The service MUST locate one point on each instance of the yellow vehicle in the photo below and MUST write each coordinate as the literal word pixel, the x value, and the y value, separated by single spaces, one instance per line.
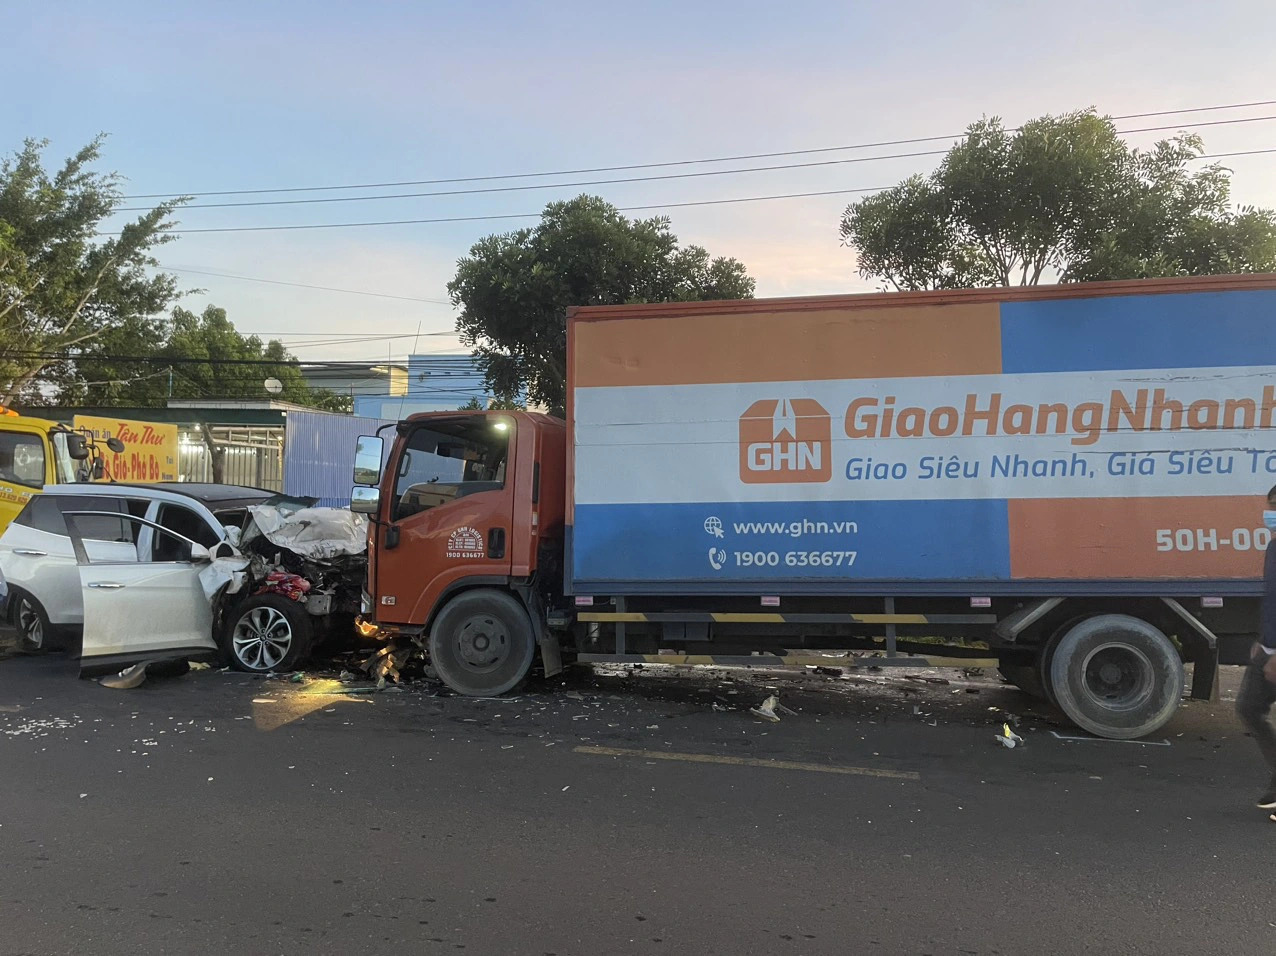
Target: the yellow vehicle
pixel 35 452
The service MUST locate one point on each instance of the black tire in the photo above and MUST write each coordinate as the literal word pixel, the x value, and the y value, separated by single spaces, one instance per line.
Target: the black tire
pixel 482 644
pixel 1045 654
pixel 1023 676
pixel 35 634
pixel 266 633
pixel 1116 676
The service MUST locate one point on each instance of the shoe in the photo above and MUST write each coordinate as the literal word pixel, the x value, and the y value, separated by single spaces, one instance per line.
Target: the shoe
pixel 1268 800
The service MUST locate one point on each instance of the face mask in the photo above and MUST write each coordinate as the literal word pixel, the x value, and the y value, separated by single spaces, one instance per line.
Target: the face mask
pixel 1269 519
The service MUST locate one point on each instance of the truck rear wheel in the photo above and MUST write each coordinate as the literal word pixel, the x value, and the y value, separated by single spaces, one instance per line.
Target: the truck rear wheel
pixel 1115 676
pixel 482 644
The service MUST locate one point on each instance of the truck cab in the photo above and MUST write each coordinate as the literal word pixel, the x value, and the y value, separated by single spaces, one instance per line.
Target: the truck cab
pixel 34 453
pixel 465 537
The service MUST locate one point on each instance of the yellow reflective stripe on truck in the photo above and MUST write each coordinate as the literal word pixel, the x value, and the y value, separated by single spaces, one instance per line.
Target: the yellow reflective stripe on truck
pixel 632 617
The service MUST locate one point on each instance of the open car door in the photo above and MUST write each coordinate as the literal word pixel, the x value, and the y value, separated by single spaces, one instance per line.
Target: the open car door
pixel 144 610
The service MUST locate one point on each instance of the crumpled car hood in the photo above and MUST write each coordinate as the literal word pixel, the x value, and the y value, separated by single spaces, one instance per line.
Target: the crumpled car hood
pixel 318 534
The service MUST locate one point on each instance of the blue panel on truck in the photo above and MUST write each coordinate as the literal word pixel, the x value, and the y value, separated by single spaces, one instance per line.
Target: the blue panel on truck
pixel 1137 331
pixel 789 542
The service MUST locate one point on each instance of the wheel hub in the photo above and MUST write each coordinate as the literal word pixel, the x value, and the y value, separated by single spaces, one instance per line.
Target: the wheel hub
pixel 482 643
pixel 1118 676
pixel 29 624
pixel 262 638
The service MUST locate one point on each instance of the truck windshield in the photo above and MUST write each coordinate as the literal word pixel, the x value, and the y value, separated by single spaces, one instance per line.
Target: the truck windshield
pixel 443 461
pixel 22 459
pixel 63 463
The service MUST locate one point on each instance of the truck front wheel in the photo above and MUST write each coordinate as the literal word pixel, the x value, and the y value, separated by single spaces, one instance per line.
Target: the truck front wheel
pixel 1115 676
pixel 482 644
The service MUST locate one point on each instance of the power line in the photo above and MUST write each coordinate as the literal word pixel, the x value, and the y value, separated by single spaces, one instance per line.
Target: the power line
pixel 643 179
pixel 518 215
pixel 586 182
pixel 343 340
pixel 659 165
pixel 302 285
pixel 291 361
pixel 537 215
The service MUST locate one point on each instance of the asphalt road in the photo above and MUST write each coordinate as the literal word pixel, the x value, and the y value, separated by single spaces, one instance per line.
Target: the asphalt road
pixel 219 814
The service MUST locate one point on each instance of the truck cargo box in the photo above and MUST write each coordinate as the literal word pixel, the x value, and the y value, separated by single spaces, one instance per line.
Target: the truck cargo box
pixel 1106 438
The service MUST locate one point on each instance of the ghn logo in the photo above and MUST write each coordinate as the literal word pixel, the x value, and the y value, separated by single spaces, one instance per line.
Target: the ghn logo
pixel 785 441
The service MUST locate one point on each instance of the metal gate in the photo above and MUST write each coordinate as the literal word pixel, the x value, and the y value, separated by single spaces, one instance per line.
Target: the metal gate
pixel 253 456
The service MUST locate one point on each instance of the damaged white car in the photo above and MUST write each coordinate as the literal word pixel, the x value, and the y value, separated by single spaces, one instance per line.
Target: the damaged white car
pixel 257 594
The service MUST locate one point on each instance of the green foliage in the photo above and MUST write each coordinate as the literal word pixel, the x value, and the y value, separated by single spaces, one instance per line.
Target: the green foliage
pixel 144 363
pixel 82 315
pixel 1061 198
pixel 497 404
pixel 61 284
pixel 514 290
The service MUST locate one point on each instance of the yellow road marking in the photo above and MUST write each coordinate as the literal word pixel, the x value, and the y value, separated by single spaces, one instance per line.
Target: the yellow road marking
pixel 748 762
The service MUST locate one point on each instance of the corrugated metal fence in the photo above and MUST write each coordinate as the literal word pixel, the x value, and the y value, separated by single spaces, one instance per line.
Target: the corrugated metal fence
pixel 318 454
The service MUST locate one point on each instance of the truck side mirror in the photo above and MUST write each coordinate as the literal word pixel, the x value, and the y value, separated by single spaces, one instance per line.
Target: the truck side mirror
pixel 364 500
pixel 115 445
pixel 368 453
pixel 99 469
pixel 77 446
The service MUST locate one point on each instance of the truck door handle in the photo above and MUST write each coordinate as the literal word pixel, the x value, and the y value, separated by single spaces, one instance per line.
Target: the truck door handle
pixel 106 585
pixel 30 554
pixel 496 543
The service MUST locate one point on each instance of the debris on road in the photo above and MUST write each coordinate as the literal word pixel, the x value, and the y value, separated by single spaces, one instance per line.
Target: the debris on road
pixel 127 679
pixel 1008 738
pixel 389 662
pixel 767 709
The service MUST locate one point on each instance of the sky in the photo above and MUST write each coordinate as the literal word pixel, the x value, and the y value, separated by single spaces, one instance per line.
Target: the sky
pixel 269 95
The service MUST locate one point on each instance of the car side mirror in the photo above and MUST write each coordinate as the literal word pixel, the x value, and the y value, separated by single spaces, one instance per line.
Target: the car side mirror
pixel 368 453
pixel 200 554
pixel 77 446
pixel 365 501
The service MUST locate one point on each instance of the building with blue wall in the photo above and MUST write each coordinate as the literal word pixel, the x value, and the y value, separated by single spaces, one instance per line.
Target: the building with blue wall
pixel 435 383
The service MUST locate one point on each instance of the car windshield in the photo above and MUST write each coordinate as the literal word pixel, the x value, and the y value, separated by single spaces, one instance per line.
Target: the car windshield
pixel 446 460
pixel 22 459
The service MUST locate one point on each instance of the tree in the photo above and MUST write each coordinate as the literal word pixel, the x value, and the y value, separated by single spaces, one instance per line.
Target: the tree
pixel 514 289
pixel 496 404
pixel 62 285
pixel 146 362
pixel 1063 198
